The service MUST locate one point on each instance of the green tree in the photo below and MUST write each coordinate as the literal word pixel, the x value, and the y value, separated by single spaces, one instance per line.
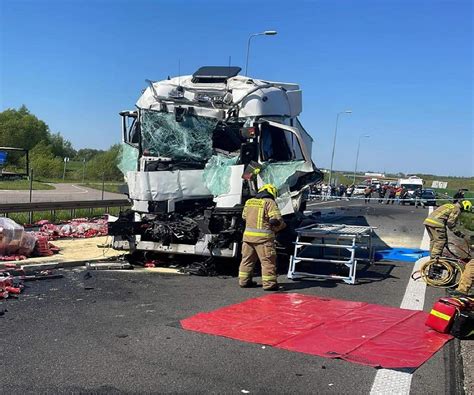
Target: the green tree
pixel 44 163
pixel 87 153
pixel 105 164
pixel 21 129
pixel 61 147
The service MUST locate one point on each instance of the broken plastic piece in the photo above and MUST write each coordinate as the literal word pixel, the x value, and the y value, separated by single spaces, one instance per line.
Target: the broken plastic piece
pixel 281 173
pixel 217 173
pixel 128 159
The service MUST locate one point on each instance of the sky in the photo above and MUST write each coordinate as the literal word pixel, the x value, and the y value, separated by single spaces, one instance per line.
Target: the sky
pixel 404 68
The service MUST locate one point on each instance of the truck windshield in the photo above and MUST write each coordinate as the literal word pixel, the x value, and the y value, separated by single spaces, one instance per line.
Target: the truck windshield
pixel 190 139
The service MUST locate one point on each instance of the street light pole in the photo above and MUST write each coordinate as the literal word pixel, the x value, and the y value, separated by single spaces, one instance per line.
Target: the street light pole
pixel 334 142
pixel 66 159
pixel 357 156
pixel 83 169
pixel 265 33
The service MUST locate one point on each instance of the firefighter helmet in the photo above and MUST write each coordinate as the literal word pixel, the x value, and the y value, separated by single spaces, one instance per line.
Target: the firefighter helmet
pixel 466 205
pixel 270 188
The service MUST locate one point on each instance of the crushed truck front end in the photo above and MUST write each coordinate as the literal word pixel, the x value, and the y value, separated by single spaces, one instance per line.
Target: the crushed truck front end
pixel 196 148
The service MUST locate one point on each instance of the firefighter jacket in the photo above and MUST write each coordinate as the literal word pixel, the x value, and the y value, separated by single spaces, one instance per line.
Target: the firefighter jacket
pixel 257 214
pixel 445 215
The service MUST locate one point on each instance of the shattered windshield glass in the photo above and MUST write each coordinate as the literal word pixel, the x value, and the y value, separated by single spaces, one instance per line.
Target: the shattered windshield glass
pixel 127 159
pixel 190 139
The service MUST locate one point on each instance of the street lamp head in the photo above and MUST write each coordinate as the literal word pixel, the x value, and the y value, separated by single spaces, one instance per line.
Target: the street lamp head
pixel 270 32
pixel 348 111
pixel 365 135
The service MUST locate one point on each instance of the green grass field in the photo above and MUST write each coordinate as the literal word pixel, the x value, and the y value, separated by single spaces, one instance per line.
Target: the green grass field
pixel 467 220
pixel 23 185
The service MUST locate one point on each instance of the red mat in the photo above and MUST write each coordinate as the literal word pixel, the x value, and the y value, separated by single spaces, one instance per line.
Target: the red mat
pixel 359 332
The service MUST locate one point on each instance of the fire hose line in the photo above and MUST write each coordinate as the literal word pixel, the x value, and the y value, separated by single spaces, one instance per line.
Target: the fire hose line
pixel 443 272
pixel 449 267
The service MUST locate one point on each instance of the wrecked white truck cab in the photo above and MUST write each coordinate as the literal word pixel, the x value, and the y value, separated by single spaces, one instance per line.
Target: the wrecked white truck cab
pixel 196 148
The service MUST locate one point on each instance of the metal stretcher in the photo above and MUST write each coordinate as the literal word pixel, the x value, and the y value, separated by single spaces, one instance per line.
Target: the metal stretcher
pixel 330 239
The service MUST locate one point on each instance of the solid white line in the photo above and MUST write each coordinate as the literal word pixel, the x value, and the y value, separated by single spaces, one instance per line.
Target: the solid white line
pixel 389 381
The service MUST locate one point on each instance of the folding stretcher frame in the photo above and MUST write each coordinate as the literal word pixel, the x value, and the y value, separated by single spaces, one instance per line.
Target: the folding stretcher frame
pixel 330 237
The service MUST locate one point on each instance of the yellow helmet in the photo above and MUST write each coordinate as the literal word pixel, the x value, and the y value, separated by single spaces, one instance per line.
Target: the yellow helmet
pixel 466 205
pixel 270 188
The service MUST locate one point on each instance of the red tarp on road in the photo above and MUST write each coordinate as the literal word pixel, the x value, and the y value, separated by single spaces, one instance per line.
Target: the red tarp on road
pixel 359 332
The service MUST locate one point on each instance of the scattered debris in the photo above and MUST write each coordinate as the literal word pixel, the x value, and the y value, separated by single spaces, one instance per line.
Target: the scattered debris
pixel 76 228
pixel 12 278
pixel 205 268
pixel 108 266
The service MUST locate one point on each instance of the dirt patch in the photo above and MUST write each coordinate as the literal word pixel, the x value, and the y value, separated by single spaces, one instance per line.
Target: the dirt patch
pixel 73 250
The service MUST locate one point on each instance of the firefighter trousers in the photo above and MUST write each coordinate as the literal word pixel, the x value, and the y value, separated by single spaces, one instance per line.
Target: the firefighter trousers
pixel 266 253
pixel 467 278
pixel 438 240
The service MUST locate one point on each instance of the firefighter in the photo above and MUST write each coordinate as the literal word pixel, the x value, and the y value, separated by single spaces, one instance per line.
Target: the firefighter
pixel 466 280
pixel 459 195
pixel 263 219
pixel 445 216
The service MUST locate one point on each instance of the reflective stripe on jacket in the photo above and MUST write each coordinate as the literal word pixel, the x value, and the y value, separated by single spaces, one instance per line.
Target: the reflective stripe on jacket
pixel 257 214
pixel 445 215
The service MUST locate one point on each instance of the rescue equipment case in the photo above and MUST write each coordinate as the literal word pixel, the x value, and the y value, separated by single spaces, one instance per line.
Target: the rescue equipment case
pixel 442 315
pixel 453 315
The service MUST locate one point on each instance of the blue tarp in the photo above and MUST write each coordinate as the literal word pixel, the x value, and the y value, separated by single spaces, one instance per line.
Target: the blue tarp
pixel 400 254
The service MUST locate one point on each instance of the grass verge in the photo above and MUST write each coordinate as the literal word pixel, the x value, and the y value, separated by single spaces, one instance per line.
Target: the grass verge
pixel 18 185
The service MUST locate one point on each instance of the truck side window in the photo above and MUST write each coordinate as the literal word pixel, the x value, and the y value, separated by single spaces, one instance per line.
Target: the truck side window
pixel 134 133
pixel 279 145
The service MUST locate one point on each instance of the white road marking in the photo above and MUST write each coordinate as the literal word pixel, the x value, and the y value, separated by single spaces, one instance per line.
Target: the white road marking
pixel 81 189
pixel 389 381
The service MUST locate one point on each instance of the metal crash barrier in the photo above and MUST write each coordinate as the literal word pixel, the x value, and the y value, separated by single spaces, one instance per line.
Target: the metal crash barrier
pixel 53 207
pixel 334 244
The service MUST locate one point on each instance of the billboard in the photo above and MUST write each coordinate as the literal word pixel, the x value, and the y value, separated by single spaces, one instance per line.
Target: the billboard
pixel 439 184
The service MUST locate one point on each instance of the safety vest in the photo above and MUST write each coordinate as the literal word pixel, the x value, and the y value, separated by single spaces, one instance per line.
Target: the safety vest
pixel 445 215
pixel 257 214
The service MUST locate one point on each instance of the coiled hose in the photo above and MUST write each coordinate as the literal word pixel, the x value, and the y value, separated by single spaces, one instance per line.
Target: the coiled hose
pixel 444 272
pixel 449 270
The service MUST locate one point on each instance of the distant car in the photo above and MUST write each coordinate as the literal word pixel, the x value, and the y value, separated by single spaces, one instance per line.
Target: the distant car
pixel 428 197
pixel 359 189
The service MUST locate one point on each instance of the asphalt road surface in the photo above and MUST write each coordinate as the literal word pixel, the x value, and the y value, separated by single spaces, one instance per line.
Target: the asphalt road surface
pixel 63 192
pixel 119 331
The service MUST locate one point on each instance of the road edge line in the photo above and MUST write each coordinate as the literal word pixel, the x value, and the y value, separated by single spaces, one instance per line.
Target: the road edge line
pixel 389 381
